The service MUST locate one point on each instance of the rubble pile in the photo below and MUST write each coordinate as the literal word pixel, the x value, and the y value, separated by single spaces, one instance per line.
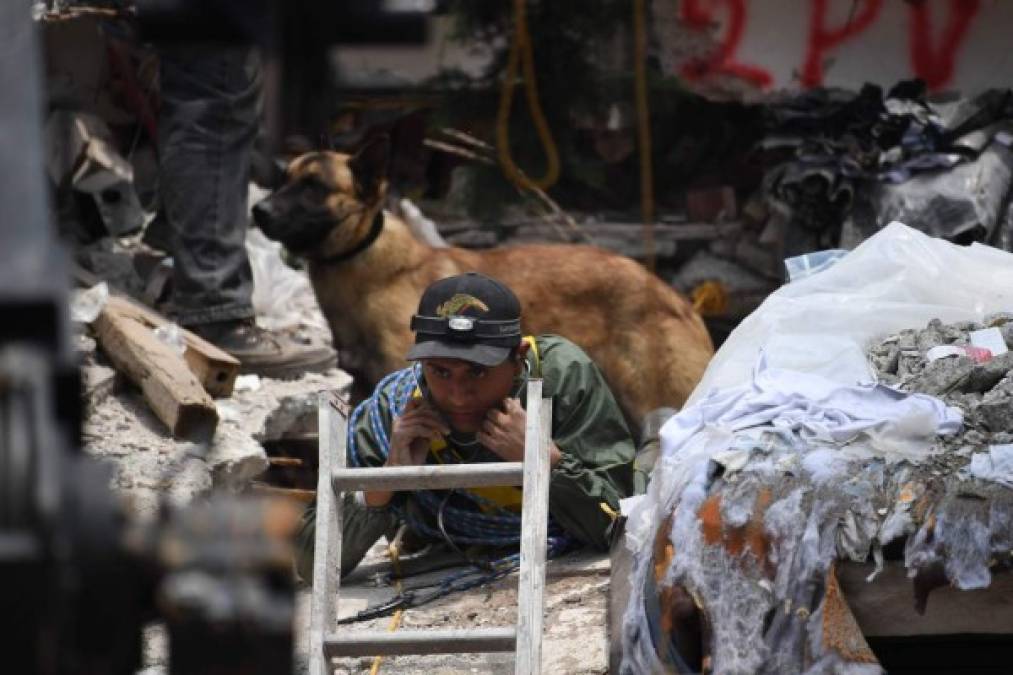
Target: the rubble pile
pixel 749 518
pixel 980 385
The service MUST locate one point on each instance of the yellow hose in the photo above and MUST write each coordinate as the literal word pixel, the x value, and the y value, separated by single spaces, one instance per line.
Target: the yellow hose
pixel 394 551
pixel 521 54
pixel 710 298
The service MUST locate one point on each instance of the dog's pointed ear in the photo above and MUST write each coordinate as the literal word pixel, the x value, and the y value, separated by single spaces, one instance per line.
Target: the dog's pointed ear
pixel 369 167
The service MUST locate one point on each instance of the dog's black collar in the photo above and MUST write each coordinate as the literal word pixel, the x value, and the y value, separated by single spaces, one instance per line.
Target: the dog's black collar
pixel 374 233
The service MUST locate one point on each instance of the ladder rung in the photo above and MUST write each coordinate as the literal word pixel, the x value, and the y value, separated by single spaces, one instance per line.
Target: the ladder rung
pixel 383 643
pixel 429 476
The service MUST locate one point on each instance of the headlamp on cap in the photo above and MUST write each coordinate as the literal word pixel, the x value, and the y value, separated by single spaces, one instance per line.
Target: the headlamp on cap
pixel 467 328
pixel 461 324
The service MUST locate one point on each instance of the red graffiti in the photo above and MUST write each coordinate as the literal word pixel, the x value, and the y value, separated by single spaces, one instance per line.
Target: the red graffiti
pixel 932 62
pixel 700 14
pixel 823 38
pixel 936 66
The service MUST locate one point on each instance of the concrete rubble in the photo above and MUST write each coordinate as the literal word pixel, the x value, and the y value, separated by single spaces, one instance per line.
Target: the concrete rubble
pixel 768 523
pixel 982 391
pixel 148 462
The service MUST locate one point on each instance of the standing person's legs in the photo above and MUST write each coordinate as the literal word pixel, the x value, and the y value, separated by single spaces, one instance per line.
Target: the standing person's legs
pixel 207 125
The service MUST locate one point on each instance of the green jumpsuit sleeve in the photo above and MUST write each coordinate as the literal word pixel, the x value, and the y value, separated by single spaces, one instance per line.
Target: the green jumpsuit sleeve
pixel 367 446
pixel 590 431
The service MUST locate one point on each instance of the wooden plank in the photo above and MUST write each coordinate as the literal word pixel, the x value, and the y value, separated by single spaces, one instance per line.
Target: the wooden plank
pixel 383 643
pixel 534 529
pixel 215 368
pixel 285 461
pixel 333 423
pixel 429 477
pixel 885 606
pixel 170 388
pixel 299 495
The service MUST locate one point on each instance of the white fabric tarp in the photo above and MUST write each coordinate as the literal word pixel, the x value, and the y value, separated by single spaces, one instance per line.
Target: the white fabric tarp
pixel 822 324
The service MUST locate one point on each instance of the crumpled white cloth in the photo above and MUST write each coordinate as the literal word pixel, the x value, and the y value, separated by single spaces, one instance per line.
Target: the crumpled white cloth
pixel 824 413
pixel 897 425
pixel 995 465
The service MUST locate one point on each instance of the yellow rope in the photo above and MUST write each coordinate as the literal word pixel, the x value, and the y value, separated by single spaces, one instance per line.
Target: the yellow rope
pixel 644 131
pixel 521 54
pixel 394 551
pixel 710 298
pixel 609 511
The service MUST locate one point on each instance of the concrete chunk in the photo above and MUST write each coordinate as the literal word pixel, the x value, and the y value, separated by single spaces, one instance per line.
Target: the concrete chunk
pixel 296 415
pixel 997 415
pixel 942 376
pixel 235 458
pixel 987 375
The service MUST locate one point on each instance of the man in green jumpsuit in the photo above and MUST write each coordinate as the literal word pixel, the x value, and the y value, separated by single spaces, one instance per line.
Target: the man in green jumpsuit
pixel 463 401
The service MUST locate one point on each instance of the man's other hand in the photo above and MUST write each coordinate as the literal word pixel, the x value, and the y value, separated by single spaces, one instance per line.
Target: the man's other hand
pixel 503 433
pixel 503 430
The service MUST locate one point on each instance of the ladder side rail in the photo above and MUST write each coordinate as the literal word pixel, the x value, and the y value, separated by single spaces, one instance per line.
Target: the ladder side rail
pixel 534 531
pixel 332 424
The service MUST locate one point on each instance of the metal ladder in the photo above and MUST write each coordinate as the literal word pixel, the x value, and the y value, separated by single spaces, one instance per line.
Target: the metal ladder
pixel 334 479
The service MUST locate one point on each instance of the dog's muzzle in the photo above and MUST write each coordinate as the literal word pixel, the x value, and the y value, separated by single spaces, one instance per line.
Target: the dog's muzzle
pixel 264 216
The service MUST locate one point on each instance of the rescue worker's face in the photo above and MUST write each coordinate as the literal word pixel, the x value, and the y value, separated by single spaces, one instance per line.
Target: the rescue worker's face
pixel 464 391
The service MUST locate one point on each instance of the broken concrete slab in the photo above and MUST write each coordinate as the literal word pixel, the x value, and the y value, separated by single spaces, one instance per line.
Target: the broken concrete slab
pixel 907 339
pixel 886 358
pixel 931 337
pixel 987 375
pixel 942 376
pixel 188 481
pixel 235 458
pixel 83 156
pixel 997 415
pixel 296 415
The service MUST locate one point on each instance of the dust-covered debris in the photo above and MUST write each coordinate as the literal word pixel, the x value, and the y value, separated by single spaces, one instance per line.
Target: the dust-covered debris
pixel 758 512
pixel 122 430
pixel 296 415
pixel 981 389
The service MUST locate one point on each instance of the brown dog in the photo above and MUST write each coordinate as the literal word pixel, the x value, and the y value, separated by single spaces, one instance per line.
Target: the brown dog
pixel 368 271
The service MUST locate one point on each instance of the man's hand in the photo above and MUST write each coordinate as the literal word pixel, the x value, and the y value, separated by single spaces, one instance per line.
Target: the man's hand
pixel 410 436
pixel 503 433
pixel 412 432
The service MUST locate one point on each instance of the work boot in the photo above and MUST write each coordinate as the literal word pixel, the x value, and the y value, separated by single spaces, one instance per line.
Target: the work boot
pixel 263 352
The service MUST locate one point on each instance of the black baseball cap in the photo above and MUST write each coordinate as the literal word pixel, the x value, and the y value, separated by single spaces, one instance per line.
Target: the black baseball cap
pixel 470 317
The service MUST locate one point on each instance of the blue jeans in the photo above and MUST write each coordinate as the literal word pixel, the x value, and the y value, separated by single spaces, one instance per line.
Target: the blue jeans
pixel 210 113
